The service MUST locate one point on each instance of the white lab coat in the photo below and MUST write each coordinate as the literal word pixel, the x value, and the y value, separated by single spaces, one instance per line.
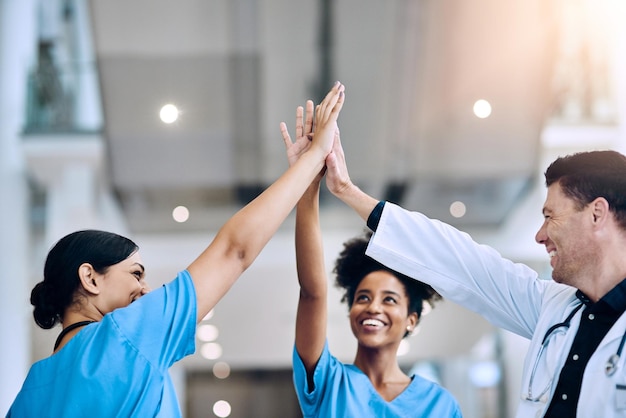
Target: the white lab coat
pixel 509 295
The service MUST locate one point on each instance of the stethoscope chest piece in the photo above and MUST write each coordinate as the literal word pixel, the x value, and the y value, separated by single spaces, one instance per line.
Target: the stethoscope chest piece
pixel 611 365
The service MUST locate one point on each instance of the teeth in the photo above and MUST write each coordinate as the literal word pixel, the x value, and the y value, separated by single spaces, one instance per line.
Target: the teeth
pixel 373 322
pixel 552 253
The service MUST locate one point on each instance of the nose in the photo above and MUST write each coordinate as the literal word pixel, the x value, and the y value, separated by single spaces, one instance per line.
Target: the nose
pixel 541 236
pixel 374 306
pixel 144 287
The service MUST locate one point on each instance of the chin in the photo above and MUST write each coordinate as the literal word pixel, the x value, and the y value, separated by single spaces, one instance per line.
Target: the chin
pixel 559 277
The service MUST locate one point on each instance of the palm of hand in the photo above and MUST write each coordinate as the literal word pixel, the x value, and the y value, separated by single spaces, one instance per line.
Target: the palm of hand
pixel 297 148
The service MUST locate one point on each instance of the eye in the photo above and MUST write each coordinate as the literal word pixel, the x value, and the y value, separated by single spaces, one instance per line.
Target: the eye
pixel 390 299
pixel 138 274
pixel 361 298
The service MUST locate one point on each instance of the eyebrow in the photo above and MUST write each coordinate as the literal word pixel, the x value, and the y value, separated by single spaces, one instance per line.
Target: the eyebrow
pixel 391 292
pixel 143 269
pixel 386 292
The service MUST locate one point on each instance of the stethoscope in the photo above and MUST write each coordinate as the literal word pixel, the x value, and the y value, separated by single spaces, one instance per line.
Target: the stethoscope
pixel 611 363
pixel 609 369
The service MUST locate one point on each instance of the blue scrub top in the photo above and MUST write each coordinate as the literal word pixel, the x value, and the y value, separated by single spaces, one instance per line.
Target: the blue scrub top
pixel 117 367
pixel 343 390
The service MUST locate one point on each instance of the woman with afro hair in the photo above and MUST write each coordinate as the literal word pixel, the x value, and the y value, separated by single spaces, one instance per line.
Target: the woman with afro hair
pixel 384 307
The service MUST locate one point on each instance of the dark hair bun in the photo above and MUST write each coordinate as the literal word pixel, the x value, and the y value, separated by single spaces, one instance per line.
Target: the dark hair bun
pixel 45 312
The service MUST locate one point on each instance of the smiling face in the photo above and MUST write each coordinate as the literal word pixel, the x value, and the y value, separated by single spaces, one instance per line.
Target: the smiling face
pixel 567 235
pixel 379 314
pixel 122 284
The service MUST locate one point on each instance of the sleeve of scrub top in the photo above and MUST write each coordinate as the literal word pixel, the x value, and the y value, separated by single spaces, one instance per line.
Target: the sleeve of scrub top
pixel 162 323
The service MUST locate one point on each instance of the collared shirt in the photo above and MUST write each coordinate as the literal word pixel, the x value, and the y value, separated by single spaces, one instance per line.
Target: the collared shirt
pixel 596 321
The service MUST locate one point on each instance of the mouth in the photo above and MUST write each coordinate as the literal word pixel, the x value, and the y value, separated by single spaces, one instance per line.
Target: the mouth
pixel 372 323
pixel 552 254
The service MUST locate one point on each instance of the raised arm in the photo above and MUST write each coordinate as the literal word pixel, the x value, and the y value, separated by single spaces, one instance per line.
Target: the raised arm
pixel 339 183
pixel 241 239
pixel 312 310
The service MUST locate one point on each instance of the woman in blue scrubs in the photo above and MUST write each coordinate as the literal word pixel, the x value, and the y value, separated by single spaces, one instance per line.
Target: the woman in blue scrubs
pixel 118 339
pixel 384 308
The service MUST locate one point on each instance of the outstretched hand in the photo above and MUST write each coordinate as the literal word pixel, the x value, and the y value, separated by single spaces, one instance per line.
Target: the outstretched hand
pixel 304 133
pixel 337 177
pixel 325 118
pixel 326 114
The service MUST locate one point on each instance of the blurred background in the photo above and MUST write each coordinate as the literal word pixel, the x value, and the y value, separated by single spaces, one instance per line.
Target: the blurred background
pixel 159 120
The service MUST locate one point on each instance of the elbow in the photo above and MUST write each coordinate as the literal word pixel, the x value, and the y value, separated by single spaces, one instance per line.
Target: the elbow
pixel 239 255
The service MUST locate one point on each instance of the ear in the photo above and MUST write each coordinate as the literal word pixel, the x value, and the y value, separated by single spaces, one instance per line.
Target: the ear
pixel 600 211
pixel 87 276
pixel 412 321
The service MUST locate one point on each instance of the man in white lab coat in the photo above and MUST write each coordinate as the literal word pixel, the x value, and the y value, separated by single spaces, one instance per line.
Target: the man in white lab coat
pixel 576 322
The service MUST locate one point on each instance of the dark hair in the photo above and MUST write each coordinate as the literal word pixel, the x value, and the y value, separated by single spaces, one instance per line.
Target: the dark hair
pixel 353 265
pixel 56 291
pixel 586 176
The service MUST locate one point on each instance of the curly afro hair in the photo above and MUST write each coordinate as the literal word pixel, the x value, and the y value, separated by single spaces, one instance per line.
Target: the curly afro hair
pixel 353 265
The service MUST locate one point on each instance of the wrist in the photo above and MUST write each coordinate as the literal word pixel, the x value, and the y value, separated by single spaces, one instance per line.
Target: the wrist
pixel 313 190
pixel 345 190
pixel 358 200
pixel 317 152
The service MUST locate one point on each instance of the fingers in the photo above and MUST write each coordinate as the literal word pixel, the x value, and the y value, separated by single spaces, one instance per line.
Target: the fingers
pixel 337 149
pixel 299 122
pixel 310 118
pixel 304 125
pixel 330 107
pixel 308 123
pixel 285 134
pixel 339 105
pixel 337 171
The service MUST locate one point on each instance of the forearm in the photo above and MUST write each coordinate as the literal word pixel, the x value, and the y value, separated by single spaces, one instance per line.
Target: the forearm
pixel 358 200
pixel 311 316
pixel 309 245
pixel 252 227
pixel 242 238
pixel 340 185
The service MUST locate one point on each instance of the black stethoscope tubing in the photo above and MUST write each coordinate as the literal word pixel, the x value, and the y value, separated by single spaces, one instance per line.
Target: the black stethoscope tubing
pixel 611 363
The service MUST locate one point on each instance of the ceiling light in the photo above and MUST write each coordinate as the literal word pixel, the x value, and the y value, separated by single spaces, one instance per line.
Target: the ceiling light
pixel 169 113
pixel 211 351
pixel 221 409
pixel 221 370
pixel 457 209
pixel 482 108
pixel 207 332
pixel 180 214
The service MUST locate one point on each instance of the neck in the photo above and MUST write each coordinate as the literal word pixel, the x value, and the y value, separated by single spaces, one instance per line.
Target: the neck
pixel 607 271
pixel 603 281
pixel 380 365
pixel 75 314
